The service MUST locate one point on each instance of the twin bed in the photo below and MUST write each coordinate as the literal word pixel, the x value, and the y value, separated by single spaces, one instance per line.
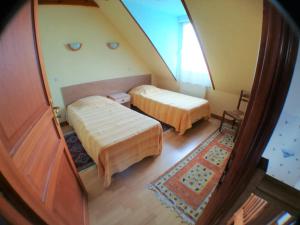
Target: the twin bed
pixel 176 109
pixel 116 137
pixel 113 135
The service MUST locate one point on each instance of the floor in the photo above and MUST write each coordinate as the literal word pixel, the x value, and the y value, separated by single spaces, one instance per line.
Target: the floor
pixel 127 200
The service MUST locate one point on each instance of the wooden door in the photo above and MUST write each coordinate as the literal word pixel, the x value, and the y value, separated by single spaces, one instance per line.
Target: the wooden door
pixel 34 160
pixel 274 71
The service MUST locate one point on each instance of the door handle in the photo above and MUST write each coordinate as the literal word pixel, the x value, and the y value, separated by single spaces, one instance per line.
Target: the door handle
pixel 55 110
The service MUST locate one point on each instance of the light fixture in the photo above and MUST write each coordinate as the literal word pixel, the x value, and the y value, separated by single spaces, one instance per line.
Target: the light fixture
pixel 112 45
pixel 74 46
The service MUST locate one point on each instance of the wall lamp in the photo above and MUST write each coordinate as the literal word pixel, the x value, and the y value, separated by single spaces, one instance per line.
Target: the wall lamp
pixel 112 45
pixel 74 46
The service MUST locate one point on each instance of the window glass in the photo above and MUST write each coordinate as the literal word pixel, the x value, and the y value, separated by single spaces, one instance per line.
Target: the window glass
pixel 193 68
pixel 170 31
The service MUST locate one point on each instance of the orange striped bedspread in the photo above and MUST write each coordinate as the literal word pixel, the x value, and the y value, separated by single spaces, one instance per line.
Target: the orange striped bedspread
pixel 113 135
pixel 175 109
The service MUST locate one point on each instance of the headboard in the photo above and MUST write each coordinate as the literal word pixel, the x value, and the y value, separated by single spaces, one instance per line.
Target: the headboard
pixel 103 87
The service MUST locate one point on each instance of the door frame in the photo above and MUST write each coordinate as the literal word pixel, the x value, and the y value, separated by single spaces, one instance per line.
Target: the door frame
pixel 46 85
pixel 275 66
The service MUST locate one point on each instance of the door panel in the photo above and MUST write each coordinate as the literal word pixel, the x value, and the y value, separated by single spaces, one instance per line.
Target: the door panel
pixel 10 213
pixel 67 187
pixel 34 158
pixel 21 83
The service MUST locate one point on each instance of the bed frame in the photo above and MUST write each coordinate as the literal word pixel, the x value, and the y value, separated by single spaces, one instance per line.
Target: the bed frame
pixel 103 87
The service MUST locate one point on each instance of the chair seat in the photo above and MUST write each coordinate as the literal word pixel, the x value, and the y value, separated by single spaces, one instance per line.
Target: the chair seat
pixel 236 114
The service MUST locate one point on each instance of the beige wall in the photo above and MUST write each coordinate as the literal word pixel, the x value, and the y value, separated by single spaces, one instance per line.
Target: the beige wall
pixel 230 32
pixel 94 61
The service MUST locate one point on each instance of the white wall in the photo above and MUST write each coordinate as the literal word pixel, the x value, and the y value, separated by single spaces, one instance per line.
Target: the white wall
pixel 283 149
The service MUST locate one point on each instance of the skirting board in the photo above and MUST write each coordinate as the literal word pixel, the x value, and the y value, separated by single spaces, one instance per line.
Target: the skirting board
pixel 220 118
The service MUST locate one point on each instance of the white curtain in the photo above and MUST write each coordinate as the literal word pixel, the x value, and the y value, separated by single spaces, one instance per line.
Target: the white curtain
pixel 192 68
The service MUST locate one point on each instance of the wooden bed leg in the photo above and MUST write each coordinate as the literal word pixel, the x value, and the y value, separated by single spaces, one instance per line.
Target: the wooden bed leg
pixel 206 118
pixel 181 133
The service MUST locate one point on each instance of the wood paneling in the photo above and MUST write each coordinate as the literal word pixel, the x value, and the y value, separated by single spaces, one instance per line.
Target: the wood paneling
pixel 17 62
pixel 33 153
pixel 103 87
pixel 36 155
pixel 64 203
pixel 69 2
pixel 11 214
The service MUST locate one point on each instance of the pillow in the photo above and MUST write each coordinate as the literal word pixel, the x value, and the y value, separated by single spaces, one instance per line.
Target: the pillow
pixel 90 100
pixel 143 89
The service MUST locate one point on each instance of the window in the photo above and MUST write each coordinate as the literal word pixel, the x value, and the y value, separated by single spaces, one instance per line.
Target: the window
pixel 168 27
pixel 192 65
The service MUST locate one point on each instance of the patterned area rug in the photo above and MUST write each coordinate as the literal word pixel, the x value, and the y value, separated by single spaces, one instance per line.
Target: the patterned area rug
pixel 187 186
pixel 79 155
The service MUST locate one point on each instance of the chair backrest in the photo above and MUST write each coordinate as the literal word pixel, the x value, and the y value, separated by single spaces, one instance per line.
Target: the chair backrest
pixel 251 209
pixel 244 97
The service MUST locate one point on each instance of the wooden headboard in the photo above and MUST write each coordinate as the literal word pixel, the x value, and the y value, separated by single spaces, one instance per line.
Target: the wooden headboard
pixel 103 87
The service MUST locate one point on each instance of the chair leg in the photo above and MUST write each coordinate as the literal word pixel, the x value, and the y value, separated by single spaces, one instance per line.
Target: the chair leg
pixel 233 123
pixel 222 121
pixel 237 131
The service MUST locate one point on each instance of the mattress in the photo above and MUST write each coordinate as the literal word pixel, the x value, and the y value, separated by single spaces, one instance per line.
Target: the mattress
pixel 175 109
pixel 113 135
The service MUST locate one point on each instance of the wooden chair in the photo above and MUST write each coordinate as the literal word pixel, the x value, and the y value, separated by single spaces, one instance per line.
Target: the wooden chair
pixel 250 210
pixel 237 115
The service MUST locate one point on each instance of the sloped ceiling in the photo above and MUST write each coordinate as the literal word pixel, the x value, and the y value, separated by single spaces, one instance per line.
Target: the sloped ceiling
pixel 230 33
pixel 118 15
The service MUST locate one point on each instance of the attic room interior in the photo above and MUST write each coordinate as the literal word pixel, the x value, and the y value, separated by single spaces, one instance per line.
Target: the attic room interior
pixel 149 112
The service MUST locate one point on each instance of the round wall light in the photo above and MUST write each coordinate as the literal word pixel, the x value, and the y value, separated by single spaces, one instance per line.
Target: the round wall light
pixel 74 46
pixel 112 45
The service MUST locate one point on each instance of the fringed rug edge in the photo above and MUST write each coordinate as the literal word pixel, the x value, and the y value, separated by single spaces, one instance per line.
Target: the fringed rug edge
pixel 169 204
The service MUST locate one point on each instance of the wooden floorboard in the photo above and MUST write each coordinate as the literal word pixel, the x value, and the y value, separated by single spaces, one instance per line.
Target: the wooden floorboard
pixel 127 200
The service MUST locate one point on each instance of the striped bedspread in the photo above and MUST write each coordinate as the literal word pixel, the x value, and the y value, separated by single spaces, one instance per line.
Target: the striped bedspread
pixel 113 135
pixel 175 109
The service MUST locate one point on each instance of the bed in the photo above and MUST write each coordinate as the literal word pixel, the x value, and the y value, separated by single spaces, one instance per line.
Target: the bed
pixel 114 136
pixel 176 109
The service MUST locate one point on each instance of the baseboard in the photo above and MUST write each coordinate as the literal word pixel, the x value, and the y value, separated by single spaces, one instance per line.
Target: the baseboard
pixel 64 124
pixel 220 118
